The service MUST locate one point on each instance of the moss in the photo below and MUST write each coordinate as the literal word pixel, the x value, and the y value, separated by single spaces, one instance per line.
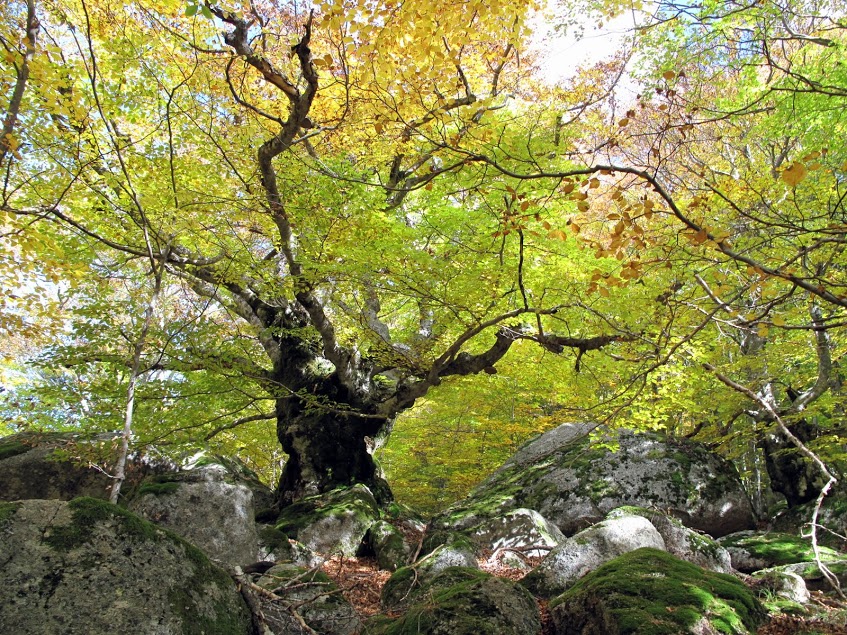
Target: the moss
pixel 12 448
pixel 339 502
pixel 454 597
pixel 273 538
pixel 649 592
pixel 86 513
pixel 158 489
pixel 777 548
pixel 7 510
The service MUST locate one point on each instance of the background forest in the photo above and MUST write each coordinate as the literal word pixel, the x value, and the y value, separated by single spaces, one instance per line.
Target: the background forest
pixel 285 230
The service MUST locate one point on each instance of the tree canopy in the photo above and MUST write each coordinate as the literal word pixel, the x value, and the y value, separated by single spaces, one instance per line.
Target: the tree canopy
pixel 271 229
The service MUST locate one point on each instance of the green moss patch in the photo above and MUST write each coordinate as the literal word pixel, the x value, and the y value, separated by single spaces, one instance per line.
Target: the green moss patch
pixel 11 448
pixel 464 601
pixel 87 513
pixel 7 510
pixel 649 592
pixel 339 502
pixel 777 548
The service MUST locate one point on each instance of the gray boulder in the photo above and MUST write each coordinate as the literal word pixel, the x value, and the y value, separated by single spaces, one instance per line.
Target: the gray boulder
pixel 275 546
pixel 522 530
pixel 574 483
pixel 331 523
pixel 62 466
pixel 389 545
pixel 85 566
pixel 784 584
pixel 207 506
pixel 682 542
pixel 465 601
pixel 588 549
pixel 407 583
pixel 308 594
pixel 650 591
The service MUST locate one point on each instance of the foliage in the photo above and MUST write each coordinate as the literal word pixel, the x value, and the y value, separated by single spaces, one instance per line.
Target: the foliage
pixel 377 207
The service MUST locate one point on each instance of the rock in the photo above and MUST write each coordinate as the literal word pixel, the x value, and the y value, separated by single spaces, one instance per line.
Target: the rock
pixel 466 601
pixel 522 530
pixel 408 582
pixel 207 506
pixel 60 466
pixel 275 546
pixel 682 542
pixel 331 523
pixel 587 550
pixel 751 551
pixel 389 545
pixel 813 576
pixel 312 595
pixel 649 591
pixel 832 519
pixel 85 566
pixel 784 584
pixel 574 484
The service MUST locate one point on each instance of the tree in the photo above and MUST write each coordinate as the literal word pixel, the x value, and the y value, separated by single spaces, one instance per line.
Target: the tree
pixel 353 227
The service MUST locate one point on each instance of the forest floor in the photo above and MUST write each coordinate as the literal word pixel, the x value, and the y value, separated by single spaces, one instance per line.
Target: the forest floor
pixel 361 582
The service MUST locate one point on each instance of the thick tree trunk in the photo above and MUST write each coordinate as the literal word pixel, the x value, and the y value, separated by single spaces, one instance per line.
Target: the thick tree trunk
pixel 791 474
pixel 327 449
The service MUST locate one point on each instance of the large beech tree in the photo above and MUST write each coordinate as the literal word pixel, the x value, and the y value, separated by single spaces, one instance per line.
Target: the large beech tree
pixel 342 206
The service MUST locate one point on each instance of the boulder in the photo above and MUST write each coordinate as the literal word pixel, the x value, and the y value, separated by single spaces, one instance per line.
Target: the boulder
pixel 275 546
pixel 331 523
pixel 388 545
pixel 587 550
pixel 86 566
pixel 682 542
pixel 648 591
pixel 207 506
pixel 574 483
pixel 308 594
pixel 783 584
pixel 832 519
pixel 62 466
pixel 521 530
pixel 814 578
pixel 408 582
pixel 465 601
pixel 751 551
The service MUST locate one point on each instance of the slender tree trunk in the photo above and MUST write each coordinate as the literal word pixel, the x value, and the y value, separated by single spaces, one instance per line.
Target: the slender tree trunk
pixel 134 377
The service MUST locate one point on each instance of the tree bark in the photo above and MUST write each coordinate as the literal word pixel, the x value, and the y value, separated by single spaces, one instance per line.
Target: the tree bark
pixel 792 474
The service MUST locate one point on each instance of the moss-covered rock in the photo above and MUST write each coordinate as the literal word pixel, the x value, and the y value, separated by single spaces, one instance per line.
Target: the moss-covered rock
pixel 465 601
pixel 814 578
pixel 408 583
pixel 832 518
pixel 650 592
pixel 587 550
pixel 309 593
pixel 58 466
pixel 388 545
pixel 751 551
pixel 335 522
pixel 88 566
pixel 682 542
pixel 209 506
pixel 574 482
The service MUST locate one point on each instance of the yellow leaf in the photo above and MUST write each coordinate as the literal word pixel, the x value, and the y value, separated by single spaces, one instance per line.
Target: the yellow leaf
pixel 778 321
pixel 668 75
pixel 556 234
pixel 794 173
pixel 623 122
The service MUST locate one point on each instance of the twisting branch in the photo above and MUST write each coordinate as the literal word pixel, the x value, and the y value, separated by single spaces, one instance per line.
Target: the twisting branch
pixel 7 143
pixel 805 451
